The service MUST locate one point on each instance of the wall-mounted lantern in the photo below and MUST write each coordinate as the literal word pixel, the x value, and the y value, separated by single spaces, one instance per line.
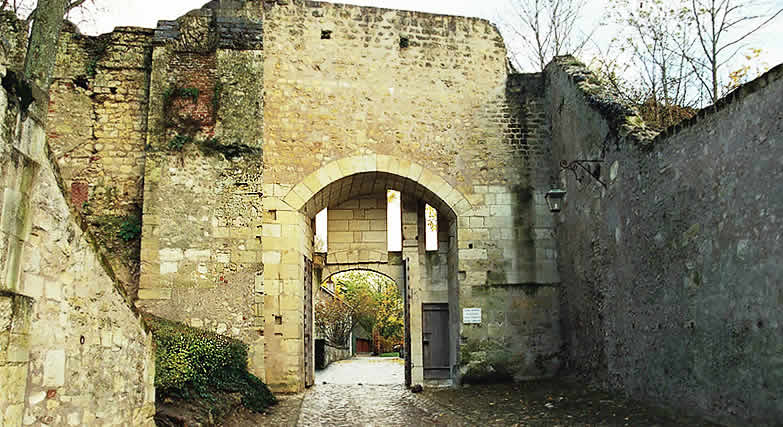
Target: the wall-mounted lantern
pixel 554 199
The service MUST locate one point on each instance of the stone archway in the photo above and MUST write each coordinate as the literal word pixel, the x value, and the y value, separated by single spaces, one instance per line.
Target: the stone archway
pixel 350 260
pixel 303 192
pixel 288 231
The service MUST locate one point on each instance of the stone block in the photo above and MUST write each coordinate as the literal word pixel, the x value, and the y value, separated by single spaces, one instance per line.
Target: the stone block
pixel 339 225
pixel 169 267
pixel 271 257
pixel 340 237
pixel 155 293
pixel 500 210
pixel 379 214
pixel 359 225
pixel 472 254
pixel 171 254
pixel 340 214
pixel 54 368
pixel 373 236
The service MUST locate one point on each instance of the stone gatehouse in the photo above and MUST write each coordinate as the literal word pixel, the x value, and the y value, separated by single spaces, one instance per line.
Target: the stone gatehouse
pixel 244 119
pixel 226 131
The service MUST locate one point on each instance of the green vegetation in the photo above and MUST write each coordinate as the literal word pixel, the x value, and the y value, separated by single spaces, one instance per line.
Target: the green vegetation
pixel 192 363
pixel 179 141
pixel 485 361
pixel 173 92
pixel 130 228
pixel 395 354
pixel 211 146
pixel 366 299
pixel 216 92
pixel 96 50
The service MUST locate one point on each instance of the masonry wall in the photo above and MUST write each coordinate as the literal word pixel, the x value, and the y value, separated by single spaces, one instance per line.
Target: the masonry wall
pixel 358 227
pixel 671 275
pixel 201 234
pixel 73 351
pixel 423 96
pixel 97 132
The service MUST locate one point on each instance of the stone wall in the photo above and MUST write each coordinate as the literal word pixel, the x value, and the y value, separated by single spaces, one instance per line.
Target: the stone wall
pixel 334 354
pixel 201 234
pixel 358 225
pixel 236 115
pixel 671 274
pixel 422 97
pixel 97 132
pixel 73 352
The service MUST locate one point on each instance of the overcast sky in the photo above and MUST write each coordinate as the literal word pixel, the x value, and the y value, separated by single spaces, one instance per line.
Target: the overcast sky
pixel 146 13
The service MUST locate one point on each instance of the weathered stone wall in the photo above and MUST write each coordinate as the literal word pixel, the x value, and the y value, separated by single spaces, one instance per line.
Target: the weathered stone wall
pixel 328 91
pixel 201 245
pixel 421 96
pixel 335 354
pixel 97 132
pixel 671 274
pixel 15 318
pixel 73 352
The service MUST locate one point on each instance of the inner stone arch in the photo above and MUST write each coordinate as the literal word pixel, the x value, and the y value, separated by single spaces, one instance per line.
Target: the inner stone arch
pixel 357 239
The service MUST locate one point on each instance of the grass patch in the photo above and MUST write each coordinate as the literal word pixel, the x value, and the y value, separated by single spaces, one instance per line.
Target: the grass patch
pixel 394 354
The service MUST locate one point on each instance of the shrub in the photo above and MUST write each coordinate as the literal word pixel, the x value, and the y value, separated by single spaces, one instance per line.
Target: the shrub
pixel 130 228
pixel 179 141
pixel 191 362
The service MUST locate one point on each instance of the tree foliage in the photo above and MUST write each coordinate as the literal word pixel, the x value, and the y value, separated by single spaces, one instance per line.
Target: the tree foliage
pixel 362 298
pixel 669 56
pixel 722 28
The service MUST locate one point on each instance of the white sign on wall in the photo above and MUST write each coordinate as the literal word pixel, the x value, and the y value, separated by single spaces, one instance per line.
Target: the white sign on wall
pixel 471 315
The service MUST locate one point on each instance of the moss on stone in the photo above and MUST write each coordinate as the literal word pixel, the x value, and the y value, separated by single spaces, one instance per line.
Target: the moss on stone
pixel 212 146
pixel 485 361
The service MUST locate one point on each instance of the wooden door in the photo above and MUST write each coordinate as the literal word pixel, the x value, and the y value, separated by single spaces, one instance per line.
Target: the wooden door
pixel 309 368
pixel 435 341
pixel 363 346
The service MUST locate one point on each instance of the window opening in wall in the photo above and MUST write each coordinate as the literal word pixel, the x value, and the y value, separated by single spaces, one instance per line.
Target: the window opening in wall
pixel 394 220
pixel 431 234
pixel 320 231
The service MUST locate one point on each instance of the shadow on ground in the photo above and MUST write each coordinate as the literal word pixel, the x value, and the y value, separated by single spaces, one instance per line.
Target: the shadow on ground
pixel 555 402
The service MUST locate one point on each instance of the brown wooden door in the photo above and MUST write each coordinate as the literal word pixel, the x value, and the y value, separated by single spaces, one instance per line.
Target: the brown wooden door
pixel 363 345
pixel 309 368
pixel 435 341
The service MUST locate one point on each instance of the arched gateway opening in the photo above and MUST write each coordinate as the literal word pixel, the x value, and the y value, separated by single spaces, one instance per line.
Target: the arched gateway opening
pixel 359 329
pixel 358 236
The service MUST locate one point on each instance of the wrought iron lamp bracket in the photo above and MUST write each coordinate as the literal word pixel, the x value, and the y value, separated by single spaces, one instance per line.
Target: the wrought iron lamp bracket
pixel 594 172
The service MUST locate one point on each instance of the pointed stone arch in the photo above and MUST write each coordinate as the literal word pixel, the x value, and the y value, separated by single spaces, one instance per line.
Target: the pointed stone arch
pixel 304 191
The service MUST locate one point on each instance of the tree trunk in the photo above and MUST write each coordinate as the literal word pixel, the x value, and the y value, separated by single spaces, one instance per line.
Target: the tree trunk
pixel 42 49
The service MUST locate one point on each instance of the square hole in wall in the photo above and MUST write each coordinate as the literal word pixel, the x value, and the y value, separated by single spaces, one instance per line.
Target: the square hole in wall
pixel 326 34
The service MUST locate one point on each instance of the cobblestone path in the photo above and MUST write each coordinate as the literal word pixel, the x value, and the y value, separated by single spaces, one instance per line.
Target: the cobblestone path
pixel 369 405
pixel 554 402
